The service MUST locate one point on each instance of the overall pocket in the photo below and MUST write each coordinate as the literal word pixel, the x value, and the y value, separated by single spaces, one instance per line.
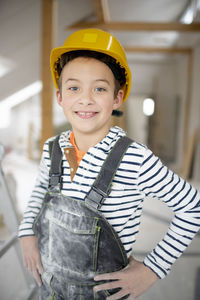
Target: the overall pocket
pixel 73 240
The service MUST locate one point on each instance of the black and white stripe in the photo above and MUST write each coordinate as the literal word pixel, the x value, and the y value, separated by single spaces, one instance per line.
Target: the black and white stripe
pixel 140 174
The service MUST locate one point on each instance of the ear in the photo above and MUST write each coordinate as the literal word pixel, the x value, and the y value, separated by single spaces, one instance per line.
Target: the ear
pixel 59 97
pixel 118 99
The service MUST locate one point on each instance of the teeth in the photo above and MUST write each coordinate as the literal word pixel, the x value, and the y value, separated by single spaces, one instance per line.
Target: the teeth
pixel 85 113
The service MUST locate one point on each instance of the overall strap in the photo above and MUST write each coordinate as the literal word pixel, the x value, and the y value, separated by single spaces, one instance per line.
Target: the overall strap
pixel 101 187
pixel 56 163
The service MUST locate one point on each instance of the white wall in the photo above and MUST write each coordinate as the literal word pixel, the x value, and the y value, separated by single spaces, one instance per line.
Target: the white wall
pixel 20 43
pixel 195 95
pixel 167 83
pixel 195 111
pixel 194 114
pixel 181 75
pixel 15 137
pixel 137 122
pixel 158 80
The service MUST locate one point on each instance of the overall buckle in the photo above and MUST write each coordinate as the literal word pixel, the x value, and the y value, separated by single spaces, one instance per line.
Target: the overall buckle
pixel 95 197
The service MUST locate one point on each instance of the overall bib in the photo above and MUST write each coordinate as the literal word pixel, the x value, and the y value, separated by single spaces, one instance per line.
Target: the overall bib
pixel 76 242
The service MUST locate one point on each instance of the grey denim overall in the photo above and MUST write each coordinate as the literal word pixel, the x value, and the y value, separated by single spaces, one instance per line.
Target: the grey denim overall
pixel 76 242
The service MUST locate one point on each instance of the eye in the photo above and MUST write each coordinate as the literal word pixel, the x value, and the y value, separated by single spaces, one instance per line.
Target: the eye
pixel 73 88
pixel 100 89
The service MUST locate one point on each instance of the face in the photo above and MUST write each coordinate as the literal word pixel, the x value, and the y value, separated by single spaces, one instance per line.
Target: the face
pixel 87 96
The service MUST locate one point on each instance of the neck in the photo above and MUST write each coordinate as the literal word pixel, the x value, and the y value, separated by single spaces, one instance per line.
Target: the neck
pixel 85 141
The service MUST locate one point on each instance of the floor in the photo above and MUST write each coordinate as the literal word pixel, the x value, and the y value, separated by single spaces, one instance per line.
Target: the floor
pixel 183 283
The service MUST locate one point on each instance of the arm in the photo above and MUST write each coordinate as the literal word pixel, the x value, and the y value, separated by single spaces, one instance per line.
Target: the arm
pixel 28 241
pixel 31 256
pixel 36 199
pixel 158 181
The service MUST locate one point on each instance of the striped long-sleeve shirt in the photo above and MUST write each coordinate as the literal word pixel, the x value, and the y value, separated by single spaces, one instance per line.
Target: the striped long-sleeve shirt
pixel 140 174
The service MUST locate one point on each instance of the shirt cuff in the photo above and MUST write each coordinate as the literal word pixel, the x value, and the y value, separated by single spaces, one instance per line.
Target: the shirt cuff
pixel 152 264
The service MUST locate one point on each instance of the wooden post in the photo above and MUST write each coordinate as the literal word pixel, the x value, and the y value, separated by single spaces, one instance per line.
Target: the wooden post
pixel 188 103
pixel 189 155
pixel 102 10
pixel 47 92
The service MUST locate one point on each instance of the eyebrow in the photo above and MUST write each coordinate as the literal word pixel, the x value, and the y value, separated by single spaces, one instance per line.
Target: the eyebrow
pixel 71 79
pixel 104 80
pixel 96 80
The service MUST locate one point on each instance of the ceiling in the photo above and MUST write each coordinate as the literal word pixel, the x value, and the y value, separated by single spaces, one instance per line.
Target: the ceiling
pixel 20 31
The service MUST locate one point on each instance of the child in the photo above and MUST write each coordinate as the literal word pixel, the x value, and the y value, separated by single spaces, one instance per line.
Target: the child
pixel 83 217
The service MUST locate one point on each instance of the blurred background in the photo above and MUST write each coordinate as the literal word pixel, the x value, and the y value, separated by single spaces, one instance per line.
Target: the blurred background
pixel 162 42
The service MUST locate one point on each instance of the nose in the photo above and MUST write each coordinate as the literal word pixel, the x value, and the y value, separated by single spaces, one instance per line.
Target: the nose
pixel 86 98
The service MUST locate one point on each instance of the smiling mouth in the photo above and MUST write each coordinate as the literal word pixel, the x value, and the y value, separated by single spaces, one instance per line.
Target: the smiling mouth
pixel 85 114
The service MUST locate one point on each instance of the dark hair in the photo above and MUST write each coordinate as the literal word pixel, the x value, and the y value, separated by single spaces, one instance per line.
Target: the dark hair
pixel 117 70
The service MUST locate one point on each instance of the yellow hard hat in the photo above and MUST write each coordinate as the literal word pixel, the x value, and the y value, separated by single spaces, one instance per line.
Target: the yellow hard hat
pixel 94 40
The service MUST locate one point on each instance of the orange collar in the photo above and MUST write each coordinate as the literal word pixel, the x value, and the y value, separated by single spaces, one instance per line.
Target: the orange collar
pixel 79 154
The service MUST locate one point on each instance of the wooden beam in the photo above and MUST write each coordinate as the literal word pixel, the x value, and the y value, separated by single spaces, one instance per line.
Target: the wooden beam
pixel 188 155
pixel 188 103
pixel 168 50
pixel 98 10
pixel 137 26
pixel 101 10
pixel 47 92
pixel 106 11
